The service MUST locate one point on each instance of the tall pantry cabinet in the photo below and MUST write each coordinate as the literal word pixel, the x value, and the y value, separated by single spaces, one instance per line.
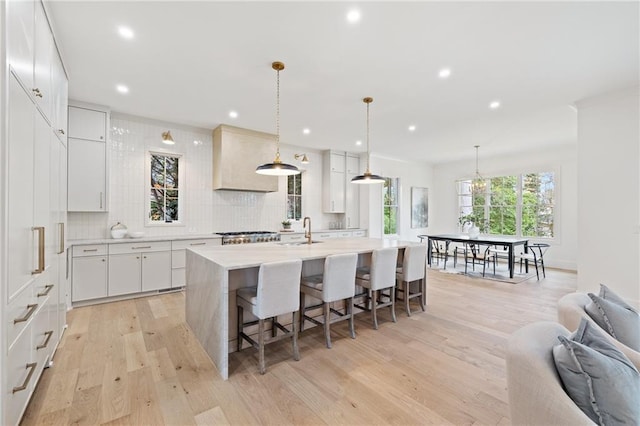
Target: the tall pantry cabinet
pixel 33 154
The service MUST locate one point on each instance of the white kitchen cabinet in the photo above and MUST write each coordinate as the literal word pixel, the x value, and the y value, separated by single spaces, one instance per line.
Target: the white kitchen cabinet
pixel 20 20
pixel 60 89
pixel 178 257
pixel 86 123
pixel 124 274
pixel 44 47
pixel 19 186
pixel 333 178
pixel 136 267
pixel 31 192
pixel 87 179
pixel 89 274
pixel 352 192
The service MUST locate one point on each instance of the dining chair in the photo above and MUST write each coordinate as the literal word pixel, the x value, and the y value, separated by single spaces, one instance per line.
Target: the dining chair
pixel 276 293
pixel 476 254
pixel 377 278
pixel 412 271
pixel 337 282
pixel 534 254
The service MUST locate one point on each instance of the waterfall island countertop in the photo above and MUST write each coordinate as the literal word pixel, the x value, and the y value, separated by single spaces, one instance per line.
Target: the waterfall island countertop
pixel 214 274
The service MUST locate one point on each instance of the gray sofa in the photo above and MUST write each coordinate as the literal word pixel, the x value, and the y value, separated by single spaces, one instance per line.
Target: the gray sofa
pixel 536 395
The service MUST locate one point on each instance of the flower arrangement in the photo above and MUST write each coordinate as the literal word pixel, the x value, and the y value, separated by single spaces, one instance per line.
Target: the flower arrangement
pixel 286 224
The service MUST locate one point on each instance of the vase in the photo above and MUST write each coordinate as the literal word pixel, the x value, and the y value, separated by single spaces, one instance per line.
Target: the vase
pixel 474 232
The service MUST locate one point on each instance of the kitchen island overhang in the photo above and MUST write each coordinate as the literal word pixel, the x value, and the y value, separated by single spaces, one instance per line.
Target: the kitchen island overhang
pixel 214 274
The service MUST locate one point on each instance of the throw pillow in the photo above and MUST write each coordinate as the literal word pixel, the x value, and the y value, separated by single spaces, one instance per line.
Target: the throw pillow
pixel 616 317
pixel 598 377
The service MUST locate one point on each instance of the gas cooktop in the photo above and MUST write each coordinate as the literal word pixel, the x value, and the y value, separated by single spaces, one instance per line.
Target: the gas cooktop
pixel 245 237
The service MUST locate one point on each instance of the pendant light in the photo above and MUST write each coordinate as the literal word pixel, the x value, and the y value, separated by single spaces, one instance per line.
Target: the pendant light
pixel 166 138
pixel 478 181
pixel 367 177
pixel 277 168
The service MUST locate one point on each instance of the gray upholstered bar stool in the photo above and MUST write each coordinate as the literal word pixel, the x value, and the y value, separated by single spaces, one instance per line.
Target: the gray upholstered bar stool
pixel 277 293
pixel 336 283
pixel 412 271
pixel 380 276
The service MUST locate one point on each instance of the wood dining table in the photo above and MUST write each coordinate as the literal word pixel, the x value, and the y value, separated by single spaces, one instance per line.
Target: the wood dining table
pixel 509 242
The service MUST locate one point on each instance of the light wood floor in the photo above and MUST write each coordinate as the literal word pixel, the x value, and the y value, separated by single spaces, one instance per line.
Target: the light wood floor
pixel 136 362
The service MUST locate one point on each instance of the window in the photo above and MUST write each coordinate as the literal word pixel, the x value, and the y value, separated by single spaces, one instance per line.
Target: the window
pixel 390 202
pixel 294 196
pixel 521 205
pixel 164 193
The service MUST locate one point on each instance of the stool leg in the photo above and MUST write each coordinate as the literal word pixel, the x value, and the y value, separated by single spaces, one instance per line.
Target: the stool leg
pixel 274 329
pixel 407 292
pixel 261 363
pixel 302 309
pixel 239 327
pixel 352 328
pixel 327 323
pixel 294 325
pixel 393 304
pixel 374 304
pixel 423 295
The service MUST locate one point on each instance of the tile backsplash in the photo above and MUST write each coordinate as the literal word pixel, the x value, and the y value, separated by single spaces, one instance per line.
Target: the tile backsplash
pixel 205 210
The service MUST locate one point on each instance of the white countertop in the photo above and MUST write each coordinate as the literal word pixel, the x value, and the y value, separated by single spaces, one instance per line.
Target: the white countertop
pixel 140 240
pixel 251 255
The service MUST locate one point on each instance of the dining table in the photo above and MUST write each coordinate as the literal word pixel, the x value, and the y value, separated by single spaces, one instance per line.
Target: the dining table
pixel 508 242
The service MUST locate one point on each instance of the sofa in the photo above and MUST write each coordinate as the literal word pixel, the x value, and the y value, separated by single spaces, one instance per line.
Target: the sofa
pixel 536 394
pixel 571 310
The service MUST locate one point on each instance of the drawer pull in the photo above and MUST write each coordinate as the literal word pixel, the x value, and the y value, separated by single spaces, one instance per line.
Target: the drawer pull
pixel 198 244
pixel 61 236
pixel 88 250
pixel 32 309
pixel 47 289
pixel 40 269
pixel 32 366
pixel 46 341
pixel 142 247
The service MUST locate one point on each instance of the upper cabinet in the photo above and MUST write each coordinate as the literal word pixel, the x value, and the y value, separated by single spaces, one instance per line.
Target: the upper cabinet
pixel 352 192
pixel 87 166
pixel 87 124
pixel 333 179
pixel 34 59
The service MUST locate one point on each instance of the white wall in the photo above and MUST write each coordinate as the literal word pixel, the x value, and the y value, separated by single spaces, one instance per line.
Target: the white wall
pixel 410 174
pixel 562 160
pixel 205 210
pixel 609 193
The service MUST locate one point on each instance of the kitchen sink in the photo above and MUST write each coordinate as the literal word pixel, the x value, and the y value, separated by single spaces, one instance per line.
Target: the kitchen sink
pixel 297 243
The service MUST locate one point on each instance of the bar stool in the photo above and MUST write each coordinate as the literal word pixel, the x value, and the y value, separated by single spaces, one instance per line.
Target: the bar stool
pixel 377 278
pixel 336 283
pixel 277 293
pixel 412 270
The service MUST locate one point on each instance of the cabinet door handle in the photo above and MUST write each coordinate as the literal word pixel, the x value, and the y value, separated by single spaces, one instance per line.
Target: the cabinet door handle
pixel 101 200
pixel 46 341
pixel 37 92
pixel 143 247
pixel 47 289
pixel 40 269
pixel 31 310
pixel 61 247
pixel 198 244
pixel 88 250
pixel 32 366
pixel 61 131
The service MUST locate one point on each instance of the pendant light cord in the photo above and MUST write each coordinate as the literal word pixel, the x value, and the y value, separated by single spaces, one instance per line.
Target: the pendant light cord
pixel 277 115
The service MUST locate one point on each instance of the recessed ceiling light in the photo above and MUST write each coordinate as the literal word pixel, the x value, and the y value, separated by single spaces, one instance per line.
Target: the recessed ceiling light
pixel 444 73
pixel 122 88
pixel 233 114
pixel 494 105
pixel 306 131
pixel 412 128
pixel 125 32
pixel 358 143
pixel 353 16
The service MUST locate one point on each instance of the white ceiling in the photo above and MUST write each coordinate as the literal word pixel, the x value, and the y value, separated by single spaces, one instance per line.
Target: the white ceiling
pixel 193 62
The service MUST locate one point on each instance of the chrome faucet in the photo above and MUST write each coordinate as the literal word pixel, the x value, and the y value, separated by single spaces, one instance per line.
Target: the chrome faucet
pixel 307 232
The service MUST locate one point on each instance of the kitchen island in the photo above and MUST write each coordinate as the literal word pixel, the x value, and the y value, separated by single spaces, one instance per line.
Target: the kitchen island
pixel 214 274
